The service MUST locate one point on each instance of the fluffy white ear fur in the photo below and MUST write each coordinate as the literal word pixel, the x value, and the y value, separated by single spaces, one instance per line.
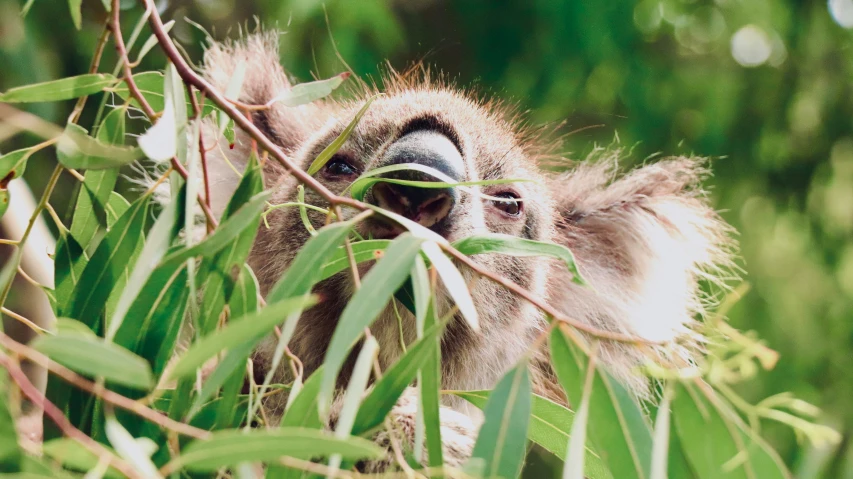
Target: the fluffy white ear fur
pixel 645 241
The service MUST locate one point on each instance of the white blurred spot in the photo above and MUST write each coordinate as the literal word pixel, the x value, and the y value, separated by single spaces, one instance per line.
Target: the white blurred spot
pixel 842 12
pixel 751 46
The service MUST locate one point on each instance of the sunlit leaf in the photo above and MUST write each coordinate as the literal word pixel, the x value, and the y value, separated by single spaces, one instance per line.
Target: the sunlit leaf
pixel 338 142
pixel 575 455
pixel 68 265
pixel 70 454
pixel 76 149
pixel 63 89
pixel 550 424
pixel 454 283
pixel 76 16
pixel 304 93
pixel 227 448
pixel 376 289
pixel 660 450
pixel 129 449
pixel 107 264
pixel 251 328
pixel 93 356
pixel 617 427
pixel 367 250
pixel 10 451
pixel 13 165
pixel 521 247
pixel 302 411
pixel 400 375
pixel 502 440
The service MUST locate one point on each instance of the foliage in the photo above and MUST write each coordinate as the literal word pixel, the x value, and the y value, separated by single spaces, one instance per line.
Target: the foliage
pixel 127 272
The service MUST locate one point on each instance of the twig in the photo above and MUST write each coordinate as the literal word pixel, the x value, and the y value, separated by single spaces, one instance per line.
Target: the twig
pixel 57 416
pixel 100 391
pixel 115 26
pixel 28 322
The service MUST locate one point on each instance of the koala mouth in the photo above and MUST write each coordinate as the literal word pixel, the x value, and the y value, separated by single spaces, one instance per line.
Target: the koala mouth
pixel 429 207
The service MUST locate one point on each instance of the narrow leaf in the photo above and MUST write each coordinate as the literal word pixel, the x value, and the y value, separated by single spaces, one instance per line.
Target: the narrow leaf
pixel 521 247
pixel 660 449
pixel 76 149
pixel 502 441
pixel 574 467
pixel 377 288
pixel 94 357
pixel 64 89
pixel 302 411
pixel 130 449
pixel 251 328
pixel 454 283
pixel 394 381
pixel 338 142
pixel 227 448
pixel 304 93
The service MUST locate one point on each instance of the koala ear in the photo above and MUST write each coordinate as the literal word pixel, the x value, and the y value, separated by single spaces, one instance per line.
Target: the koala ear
pixel 264 79
pixel 644 241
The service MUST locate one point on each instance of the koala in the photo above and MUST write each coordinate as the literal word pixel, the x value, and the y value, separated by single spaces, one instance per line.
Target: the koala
pixel 644 240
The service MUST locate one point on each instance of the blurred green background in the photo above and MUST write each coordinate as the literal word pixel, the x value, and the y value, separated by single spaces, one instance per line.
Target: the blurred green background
pixel 766 86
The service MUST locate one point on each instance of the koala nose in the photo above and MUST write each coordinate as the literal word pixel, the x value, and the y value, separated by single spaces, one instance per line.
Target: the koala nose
pixel 426 206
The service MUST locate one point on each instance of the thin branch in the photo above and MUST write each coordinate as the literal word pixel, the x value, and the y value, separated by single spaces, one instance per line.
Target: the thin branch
pixel 58 417
pixel 100 391
pixel 28 322
pixel 115 26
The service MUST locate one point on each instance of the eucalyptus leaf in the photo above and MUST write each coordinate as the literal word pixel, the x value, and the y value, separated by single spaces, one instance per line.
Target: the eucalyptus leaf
pixel 305 93
pixel 338 142
pixel 56 90
pixel 76 149
pixel 502 441
pixel 376 290
pixel 251 328
pixel 226 448
pixel 94 357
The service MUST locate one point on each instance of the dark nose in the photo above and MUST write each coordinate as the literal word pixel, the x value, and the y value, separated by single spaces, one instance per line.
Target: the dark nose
pixel 426 206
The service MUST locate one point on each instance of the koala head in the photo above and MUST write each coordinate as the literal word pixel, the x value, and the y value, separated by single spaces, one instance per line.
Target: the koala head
pixel 643 240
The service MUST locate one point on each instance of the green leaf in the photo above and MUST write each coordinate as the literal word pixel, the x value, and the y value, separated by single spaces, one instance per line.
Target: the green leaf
pixel 502 441
pixel 229 229
pixel 550 424
pixel 63 89
pixel 71 455
pixel 360 186
pixel 106 265
pixel 90 211
pixel 150 85
pixel 705 436
pixel 394 381
pixel 161 235
pixel 226 448
pixel 69 263
pixel 660 450
pixel 10 451
pixel 574 466
pixel 429 385
pixel 338 142
pixel 302 411
pixel 230 371
pixel 252 328
pixel 13 164
pixel 217 275
pixel 305 93
pixel 520 247
pixel 76 149
pixel 454 283
pixel 93 356
pixel 376 289
pixel 617 428
pixel 76 16
pixel 4 201
pixel 366 250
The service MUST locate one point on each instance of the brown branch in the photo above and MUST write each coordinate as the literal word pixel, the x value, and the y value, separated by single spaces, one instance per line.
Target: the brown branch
pixel 191 77
pixel 100 391
pixel 121 48
pixel 58 417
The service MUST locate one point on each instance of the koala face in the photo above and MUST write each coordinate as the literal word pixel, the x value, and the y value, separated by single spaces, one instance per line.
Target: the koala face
pixel 643 240
pixel 440 129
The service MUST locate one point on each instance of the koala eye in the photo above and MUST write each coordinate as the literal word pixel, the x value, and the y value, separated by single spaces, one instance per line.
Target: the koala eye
pixel 511 206
pixel 339 166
